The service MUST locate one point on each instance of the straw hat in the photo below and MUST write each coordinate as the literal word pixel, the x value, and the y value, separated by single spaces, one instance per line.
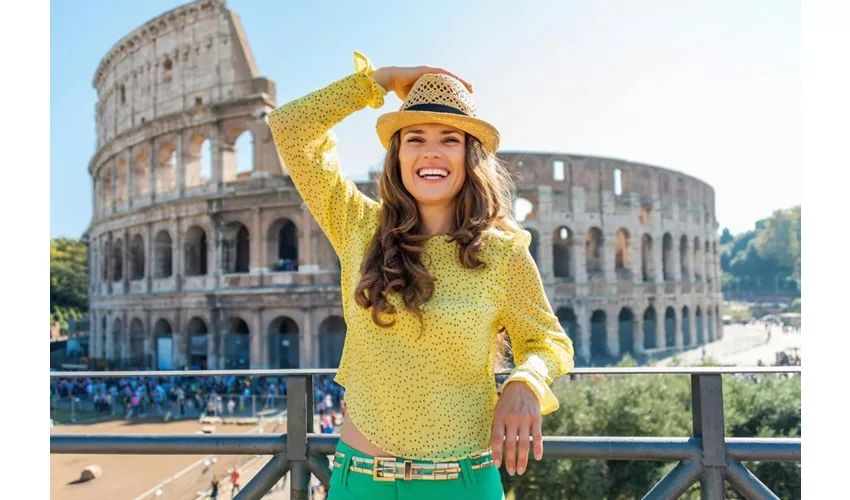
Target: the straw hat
pixel 438 98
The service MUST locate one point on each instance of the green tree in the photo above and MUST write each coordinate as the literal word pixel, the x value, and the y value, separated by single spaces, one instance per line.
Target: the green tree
pixel 69 280
pixel 655 405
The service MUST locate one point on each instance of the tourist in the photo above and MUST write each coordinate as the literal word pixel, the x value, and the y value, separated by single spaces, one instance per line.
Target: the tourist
pixel 437 272
pixel 234 481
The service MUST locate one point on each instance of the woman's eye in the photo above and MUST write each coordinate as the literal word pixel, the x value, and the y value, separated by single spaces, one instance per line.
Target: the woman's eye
pixel 452 139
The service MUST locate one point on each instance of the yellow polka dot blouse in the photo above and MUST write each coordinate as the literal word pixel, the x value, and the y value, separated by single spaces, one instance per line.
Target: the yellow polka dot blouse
pixel 428 397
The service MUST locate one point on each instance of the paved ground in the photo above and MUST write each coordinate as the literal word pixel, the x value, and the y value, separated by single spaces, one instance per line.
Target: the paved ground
pixel 744 345
pixel 128 476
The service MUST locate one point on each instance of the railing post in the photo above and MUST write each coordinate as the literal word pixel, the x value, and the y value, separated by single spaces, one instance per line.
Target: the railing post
pixel 299 422
pixel 707 399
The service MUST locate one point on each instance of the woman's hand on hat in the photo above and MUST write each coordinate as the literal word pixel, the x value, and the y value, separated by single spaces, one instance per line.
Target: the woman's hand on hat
pixel 517 416
pixel 401 79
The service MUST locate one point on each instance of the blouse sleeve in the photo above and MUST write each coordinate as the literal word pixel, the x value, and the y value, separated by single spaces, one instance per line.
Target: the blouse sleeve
pixel 302 134
pixel 542 351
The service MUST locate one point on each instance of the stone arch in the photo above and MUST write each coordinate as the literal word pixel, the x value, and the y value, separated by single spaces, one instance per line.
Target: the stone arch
pixel 647 268
pixel 236 248
pixel 650 329
pixel 237 344
pixel 598 336
pixel 569 322
pixel 163 345
pixel 622 259
pixel 198 343
pixel 117 260
pixel 162 255
pixel 534 246
pixel 683 258
pixel 284 343
pixel 625 331
pixel 332 333
pixel 523 209
pixel 562 241
pixel 243 150
pixel 594 248
pixel 121 188
pixel 686 326
pixel 283 245
pixel 165 169
pixel 137 342
pixel 670 327
pixel 700 331
pixel 667 257
pixel 140 175
pixel 697 260
pixel 137 258
pixel 195 251
pixel 198 161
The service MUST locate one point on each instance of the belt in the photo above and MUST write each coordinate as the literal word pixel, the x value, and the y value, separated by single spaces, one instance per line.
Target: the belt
pixel 391 468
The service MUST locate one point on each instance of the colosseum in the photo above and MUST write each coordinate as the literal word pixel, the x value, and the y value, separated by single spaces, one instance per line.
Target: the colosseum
pixel 200 258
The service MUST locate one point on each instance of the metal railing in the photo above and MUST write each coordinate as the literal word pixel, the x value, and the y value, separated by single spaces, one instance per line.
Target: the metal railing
pixel 708 456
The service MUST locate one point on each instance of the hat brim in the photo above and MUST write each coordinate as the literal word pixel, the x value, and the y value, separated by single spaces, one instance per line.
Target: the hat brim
pixel 389 123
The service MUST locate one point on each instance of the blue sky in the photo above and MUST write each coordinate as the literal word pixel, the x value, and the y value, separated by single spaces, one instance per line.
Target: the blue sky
pixel 708 88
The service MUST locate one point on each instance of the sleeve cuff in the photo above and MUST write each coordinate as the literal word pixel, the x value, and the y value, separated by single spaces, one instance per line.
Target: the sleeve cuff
pixel 545 396
pixel 363 66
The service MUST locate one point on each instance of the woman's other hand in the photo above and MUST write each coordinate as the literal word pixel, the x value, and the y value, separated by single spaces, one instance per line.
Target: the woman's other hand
pixel 401 79
pixel 517 416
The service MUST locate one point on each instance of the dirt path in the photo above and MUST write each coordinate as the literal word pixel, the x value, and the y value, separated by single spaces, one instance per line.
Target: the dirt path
pixel 127 476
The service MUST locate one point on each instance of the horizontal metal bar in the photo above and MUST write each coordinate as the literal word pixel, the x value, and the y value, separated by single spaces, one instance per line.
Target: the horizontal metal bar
pixel 588 447
pixel 747 483
pixel 174 444
pixel 621 448
pixel 764 450
pixel 643 370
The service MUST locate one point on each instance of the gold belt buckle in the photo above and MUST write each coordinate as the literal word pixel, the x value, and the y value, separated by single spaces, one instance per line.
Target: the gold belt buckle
pixel 377 472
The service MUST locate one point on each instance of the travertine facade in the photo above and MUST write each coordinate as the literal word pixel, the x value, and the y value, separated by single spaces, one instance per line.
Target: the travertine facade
pixel 219 265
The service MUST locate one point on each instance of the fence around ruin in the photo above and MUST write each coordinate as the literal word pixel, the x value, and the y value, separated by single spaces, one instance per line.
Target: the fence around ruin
pixel 707 457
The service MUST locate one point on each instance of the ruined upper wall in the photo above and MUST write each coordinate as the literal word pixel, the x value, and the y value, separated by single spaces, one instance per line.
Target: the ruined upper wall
pixel 194 55
pixel 596 174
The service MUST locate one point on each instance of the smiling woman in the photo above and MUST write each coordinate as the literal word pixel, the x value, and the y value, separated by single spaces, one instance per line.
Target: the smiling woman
pixel 439 270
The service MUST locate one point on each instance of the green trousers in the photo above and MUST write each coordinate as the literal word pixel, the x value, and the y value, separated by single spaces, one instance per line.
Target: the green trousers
pixel 479 484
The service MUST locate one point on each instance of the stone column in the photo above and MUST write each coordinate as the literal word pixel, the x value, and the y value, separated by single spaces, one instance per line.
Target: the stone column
pixel 544 231
pixel 583 322
pixel 256 341
pixel 676 264
pixel 113 185
pixel 149 257
pixel 306 252
pixel 217 162
pixel 215 246
pixel 129 179
pixel 638 335
pixel 125 262
pixel 308 355
pixel 704 324
pixel 680 341
pixel 660 325
pixel 609 253
pixel 152 161
pixel 150 338
pixel 636 255
pixel 180 168
pixel 176 268
pixel 258 243
pixel 658 258
pixel 579 259
pixel 692 319
pixel 612 332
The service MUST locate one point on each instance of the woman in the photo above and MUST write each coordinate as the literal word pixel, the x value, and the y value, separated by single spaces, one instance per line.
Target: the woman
pixel 430 276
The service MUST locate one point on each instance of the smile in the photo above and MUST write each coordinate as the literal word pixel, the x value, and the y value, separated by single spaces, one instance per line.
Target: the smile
pixel 432 173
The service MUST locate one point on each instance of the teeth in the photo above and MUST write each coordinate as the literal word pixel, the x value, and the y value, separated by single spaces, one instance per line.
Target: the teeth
pixel 433 172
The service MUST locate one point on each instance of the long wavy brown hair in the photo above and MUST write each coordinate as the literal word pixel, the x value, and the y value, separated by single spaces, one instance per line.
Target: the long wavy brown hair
pixel 393 259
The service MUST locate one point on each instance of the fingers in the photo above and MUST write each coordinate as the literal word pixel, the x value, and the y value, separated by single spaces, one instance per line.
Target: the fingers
pixel 446 72
pixel 510 447
pixel 522 448
pixel 537 437
pixel 497 439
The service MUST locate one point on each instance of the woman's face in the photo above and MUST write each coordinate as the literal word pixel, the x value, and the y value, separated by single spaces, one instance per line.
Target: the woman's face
pixel 433 162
